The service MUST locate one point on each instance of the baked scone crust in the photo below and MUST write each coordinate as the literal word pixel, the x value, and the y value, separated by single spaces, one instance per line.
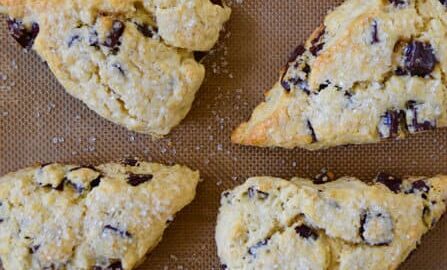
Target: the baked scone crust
pixel 271 223
pixel 130 61
pixel 374 70
pixel 83 217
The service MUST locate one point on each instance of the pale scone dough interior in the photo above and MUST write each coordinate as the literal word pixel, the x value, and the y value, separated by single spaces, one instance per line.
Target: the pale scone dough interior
pixel 270 223
pixel 130 61
pixel 105 217
pixel 349 83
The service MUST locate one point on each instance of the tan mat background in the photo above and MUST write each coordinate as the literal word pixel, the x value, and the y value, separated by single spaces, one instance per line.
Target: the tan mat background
pixel 40 122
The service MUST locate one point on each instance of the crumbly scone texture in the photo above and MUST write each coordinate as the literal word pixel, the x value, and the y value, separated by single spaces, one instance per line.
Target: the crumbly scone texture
pixel 74 217
pixel 374 70
pixel 131 61
pixel 270 223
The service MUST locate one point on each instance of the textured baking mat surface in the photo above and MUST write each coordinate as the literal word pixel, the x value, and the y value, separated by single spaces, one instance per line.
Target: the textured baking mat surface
pixel 40 122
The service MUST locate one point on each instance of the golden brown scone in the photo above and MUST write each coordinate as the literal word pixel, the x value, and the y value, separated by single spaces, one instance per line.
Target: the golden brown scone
pixel 374 70
pixel 270 223
pixel 130 61
pixel 73 217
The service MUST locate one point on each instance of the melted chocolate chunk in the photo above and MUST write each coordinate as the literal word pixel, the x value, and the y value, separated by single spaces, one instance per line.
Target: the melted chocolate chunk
pixel 324 177
pixel 323 86
pixel 312 132
pixel 420 186
pixel 146 29
pixel 444 2
pixel 392 121
pixel 297 52
pixel 120 232
pixel 253 192
pixel 1 220
pixel 130 162
pixel 419 58
pixel 306 232
pixel 391 182
pixel 252 250
pixel 317 44
pixel 415 125
pixel 375 33
pixel 138 179
pixel 400 72
pixel 113 38
pixel 223 267
pixel 226 194
pixel 25 37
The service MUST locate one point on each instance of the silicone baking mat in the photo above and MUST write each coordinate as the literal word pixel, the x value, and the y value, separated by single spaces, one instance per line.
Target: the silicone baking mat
pixel 40 122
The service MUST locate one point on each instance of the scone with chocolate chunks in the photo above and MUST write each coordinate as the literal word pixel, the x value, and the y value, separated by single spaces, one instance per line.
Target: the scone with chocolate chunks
pixel 270 223
pixel 374 70
pixel 73 217
pixel 130 61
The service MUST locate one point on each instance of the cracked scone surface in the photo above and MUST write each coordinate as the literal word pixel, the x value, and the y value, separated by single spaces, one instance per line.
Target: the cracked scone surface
pixel 374 70
pixel 130 61
pixel 270 223
pixel 105 217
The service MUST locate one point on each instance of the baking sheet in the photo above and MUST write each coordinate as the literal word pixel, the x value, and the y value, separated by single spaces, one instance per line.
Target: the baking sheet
pixel 40 122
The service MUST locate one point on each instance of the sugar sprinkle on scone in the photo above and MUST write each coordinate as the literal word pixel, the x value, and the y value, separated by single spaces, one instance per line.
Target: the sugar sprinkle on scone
pixel 374 70
pixel 270 223
pixel 130 61
pixel 83 217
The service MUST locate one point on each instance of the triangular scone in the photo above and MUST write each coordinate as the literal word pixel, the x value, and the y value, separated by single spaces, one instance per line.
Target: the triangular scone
pixel 130 61
pixel 106 217
pixel 270 223
pixel 374 70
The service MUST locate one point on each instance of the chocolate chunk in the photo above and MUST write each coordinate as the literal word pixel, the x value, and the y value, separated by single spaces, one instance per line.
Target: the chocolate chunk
pixel 217 2
pixel 420 186
pixel 253 192
pixel 419 58
pixel 317 44
pixel 120 232
pixel 444 2
pixel 252 250
pixel 413 123
pixel 391 182
pixel 306 232
pixel 375 34
pixel 324 177
pixel 399 3
pixel 223 267
pixel 93 39
pixel 199 56
pixel 1 220
pixel 297 52
pixel 312 132
pixel 130 162
pixel 226 194
pixel 25 37
pixel 400 72
pixel 376 227
pixel 73 39
pixel 390 123
pixel 113 266
pixel 119 68
pixel 95 182
pixel 323 85
pixel 146 29
pixel 138 179
pixel 34 249
pixel 113 38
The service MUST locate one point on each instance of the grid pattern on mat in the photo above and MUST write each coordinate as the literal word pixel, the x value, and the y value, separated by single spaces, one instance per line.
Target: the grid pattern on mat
pixel 40 122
